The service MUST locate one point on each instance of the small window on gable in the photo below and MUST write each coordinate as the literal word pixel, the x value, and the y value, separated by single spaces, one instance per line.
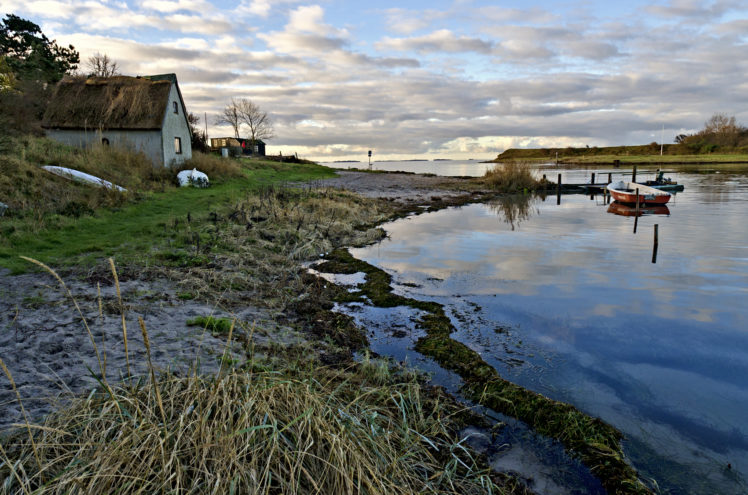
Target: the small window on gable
pixel 176 107
pixel 178 145
pixel 105 141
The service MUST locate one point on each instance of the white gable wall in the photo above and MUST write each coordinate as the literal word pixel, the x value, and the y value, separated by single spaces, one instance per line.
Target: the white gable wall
pixel 175 125
pixel 147 142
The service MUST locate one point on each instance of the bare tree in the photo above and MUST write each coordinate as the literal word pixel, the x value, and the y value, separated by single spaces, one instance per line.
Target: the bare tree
pixel 100 65
pixel 231 116
pixel 260 125
pixel 720 123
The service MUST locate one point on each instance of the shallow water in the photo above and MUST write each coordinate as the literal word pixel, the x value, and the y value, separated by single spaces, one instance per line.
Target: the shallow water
pixel 565 300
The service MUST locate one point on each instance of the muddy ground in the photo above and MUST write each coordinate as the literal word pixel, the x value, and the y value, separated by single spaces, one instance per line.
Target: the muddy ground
pixel 403 188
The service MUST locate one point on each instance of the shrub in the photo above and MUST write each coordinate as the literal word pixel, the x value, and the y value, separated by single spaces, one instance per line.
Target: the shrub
pixel 511 177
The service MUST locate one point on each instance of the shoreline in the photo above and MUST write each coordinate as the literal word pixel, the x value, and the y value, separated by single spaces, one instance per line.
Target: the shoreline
pixel 406 193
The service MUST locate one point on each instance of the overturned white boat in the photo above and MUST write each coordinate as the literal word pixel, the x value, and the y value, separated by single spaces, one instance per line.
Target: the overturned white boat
pixel 72 174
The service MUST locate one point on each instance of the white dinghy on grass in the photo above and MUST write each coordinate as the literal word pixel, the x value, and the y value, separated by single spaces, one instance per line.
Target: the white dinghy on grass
pixel 193 178
pixel 71 174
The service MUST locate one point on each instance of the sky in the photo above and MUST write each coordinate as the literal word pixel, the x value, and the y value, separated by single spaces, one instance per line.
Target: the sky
pixel 429 79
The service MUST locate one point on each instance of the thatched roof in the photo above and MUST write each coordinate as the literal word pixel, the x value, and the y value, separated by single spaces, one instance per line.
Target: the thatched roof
pixel 119 102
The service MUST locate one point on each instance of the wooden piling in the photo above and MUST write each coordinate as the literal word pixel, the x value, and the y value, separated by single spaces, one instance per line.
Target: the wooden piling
pixel 558 190
pixel 593 178
pixel 633 175
pixel 656 243
pixel 610 178
pixel 636 216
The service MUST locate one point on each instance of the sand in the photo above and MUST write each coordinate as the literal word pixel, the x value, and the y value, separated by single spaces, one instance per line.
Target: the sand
pixel 44 343
pixel 400 187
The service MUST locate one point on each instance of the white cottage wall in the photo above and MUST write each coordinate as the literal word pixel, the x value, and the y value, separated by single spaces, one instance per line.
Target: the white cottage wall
pixel 147 142
pixel 175 126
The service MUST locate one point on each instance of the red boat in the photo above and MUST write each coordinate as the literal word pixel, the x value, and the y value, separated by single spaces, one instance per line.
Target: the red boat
pixel 625 192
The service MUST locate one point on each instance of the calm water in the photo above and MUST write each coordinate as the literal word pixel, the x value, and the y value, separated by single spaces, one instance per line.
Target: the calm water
pixel 454 168
pixel 565 300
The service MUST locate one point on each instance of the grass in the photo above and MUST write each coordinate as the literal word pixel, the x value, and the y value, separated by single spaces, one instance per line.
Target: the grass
pixel 280 425
pixel 657 159
pixel 511 177
pixel 624 154
pixel 215 325
pixel 111 223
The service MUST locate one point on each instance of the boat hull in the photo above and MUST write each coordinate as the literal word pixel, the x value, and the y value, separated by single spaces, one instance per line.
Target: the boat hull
pixel 625 192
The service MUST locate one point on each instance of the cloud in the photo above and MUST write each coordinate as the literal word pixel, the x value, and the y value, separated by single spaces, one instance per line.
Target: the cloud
pixel 406 21
pixel 461 81
pixel 171 6
pixel 695 9
pixel 442 40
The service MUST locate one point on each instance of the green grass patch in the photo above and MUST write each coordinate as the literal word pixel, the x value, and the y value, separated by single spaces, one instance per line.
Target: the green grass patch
pixel 139 228
pixel 215 325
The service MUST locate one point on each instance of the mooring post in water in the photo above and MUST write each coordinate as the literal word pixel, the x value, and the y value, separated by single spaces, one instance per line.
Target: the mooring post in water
pixel 656 243
pixel 593 178
pixel 592 189
pixel 636 215
pixel 633 175
pixel 558 190
pixel 610 177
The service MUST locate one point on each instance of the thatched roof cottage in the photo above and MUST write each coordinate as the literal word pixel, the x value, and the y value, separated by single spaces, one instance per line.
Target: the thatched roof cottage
pixel 141 113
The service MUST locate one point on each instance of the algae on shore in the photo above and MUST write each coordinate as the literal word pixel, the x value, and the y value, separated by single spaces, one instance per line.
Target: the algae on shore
pixel 597 443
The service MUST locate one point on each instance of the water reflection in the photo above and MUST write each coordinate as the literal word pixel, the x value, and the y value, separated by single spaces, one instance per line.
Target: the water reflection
pixel 659 350
pixel 629 211
pixel 514 209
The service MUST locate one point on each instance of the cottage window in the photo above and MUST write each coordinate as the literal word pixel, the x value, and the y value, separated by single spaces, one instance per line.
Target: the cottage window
pixel 105 141
pixel 257 148
pixel 176 107
pixel 178 145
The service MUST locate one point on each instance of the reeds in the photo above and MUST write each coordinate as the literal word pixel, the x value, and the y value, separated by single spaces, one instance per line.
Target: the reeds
pixel 511 177
pixel 294 428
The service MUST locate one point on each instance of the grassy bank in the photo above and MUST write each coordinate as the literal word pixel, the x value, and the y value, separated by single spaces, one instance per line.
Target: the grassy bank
pixel 276 420
pixel 241 242
pixel 66 223
pixel 649 154
pixel 272 420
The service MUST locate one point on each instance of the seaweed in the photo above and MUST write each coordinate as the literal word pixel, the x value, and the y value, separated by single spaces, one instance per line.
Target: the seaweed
pixel 597 443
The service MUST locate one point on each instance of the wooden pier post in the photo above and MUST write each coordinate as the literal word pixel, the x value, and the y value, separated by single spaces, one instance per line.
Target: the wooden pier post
pixel 633 175
pixel 636 217
pixel 558 190
pixel 610 177
pixel 593 178
pixel 656 244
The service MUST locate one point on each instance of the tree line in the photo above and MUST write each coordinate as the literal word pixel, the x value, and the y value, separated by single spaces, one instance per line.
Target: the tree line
pixel 720 133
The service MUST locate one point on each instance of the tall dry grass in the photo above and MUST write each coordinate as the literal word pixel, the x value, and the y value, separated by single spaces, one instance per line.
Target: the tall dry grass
pixel 298 428
pixel 214 166
pixel 511 177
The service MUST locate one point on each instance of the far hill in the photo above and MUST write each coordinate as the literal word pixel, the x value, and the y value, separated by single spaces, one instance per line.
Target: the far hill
pixel 647 153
